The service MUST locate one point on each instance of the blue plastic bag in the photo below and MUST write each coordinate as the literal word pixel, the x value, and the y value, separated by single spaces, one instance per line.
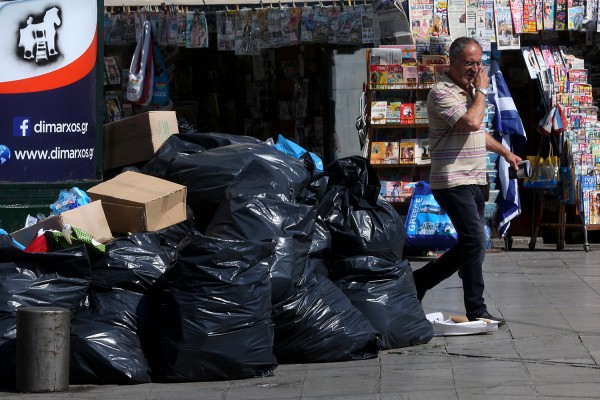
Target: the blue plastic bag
pixel 290 148
pixel 428 227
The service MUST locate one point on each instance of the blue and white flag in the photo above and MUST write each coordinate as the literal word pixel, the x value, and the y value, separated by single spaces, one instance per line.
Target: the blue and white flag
pixel 509 131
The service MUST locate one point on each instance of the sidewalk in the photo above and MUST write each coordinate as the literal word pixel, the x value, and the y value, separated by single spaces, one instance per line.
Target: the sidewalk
pixel 549 347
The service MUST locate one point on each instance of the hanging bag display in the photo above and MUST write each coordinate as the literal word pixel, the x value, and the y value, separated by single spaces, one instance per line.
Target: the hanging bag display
pixel 427 224
pixel 160 87
pixel 140 80
pixel 544 170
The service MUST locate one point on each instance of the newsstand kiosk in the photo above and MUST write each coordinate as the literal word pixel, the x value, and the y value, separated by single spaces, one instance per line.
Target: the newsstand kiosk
pixel 50 95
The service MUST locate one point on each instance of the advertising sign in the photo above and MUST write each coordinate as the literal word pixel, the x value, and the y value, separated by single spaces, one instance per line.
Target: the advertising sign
pixel 48 100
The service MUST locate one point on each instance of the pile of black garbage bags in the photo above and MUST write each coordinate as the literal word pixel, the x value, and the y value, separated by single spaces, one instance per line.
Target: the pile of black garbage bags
pixel 277 263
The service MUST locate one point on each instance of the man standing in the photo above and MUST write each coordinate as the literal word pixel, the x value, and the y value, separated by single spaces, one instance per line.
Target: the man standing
pixel 458 144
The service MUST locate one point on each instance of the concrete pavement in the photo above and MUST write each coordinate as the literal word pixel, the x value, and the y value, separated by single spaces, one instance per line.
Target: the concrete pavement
pixel 548 349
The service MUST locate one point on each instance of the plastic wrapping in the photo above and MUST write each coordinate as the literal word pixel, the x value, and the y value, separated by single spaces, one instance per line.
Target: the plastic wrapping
pixel 105 346
pixel 133 262
pixel 215 306
pixel 291 225
pixel 318 323
pixel 57 279
pixel 385 293
pixel 208 174
pixel 188 143
pixel 360 224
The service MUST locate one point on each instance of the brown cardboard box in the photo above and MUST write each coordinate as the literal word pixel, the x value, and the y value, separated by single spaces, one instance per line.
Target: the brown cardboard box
pixel 136 139
pixel 90 218
pixel 135 202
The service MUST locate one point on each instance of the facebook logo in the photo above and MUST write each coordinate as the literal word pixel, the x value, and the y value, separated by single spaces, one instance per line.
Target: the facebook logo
pixel 21 126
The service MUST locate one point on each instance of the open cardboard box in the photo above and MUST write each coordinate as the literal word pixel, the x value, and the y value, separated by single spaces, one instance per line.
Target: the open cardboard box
pixel 136 139
pixel 135 202
pixel 89 218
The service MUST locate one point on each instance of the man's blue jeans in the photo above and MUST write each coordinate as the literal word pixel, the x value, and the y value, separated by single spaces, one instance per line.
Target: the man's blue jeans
pixel 465 207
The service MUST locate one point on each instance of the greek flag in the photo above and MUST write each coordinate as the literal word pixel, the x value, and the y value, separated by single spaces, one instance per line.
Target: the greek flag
pixel 510 132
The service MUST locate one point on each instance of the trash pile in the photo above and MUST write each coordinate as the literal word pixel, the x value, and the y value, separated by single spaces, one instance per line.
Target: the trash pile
pixel 275 263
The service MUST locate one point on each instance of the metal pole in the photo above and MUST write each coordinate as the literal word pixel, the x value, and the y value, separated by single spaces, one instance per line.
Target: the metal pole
pixel 43 345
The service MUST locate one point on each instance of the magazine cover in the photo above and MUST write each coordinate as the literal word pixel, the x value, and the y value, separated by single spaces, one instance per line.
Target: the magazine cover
pixel 505 37
pixel 246 42
pixel 439 70
pixel 295 25
pixel 367 24
pixel 421 17
pixel 394 190
pixel 394 76
pixel 548 14
pixel 471 16
pixel 516 8
pixel 430 59
pixel 421 112
pixel 377 152
pixel 378 112
pixel 391 153
pixel 440 18
pixel 425 74
pixel 529 16
pixel 410 74
pixel 274 28
pixel 575 14
pixel 378 76
pixel 225 31
pixel 113 70
pixel 407 152
pixel 407 113
pixel 307 24
pixel 484 24
pixel 531 62
pixel 349 26
pixel 457 18
pixel 333 14
pixel 393 112
pixel 560 15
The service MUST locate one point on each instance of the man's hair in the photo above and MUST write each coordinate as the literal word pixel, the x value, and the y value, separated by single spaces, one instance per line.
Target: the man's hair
pixel 459 44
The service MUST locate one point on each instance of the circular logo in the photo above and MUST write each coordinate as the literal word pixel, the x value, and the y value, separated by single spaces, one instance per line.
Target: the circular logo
pixel 4 154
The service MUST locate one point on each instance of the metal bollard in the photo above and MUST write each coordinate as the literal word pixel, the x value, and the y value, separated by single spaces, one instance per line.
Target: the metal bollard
pixel 43 345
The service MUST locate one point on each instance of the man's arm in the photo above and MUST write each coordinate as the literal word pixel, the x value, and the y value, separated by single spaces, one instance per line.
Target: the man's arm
pixel 495 146
pixel 472 119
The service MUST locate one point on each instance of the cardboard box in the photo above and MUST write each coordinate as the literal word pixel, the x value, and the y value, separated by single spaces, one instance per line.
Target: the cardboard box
pixel 136 139
pixel 89 218
pixel 135 202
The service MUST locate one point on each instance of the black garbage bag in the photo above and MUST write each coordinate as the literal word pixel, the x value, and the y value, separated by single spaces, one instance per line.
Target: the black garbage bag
pixel 105 346
pixel 318 323
pixel 171 236
pixel 186 143
pixel 57 279
pixel 359 222
pixel 385 293
pixel 131 262
pixel 358 176
pixel 268 217
pixel 209 173
pixel 214 316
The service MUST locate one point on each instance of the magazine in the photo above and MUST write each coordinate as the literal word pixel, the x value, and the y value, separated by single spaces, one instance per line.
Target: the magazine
pixel 377 152
pixel 391 153
pixel 421 17
pixel 516 8
pixel 440 18
pixel 529 16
